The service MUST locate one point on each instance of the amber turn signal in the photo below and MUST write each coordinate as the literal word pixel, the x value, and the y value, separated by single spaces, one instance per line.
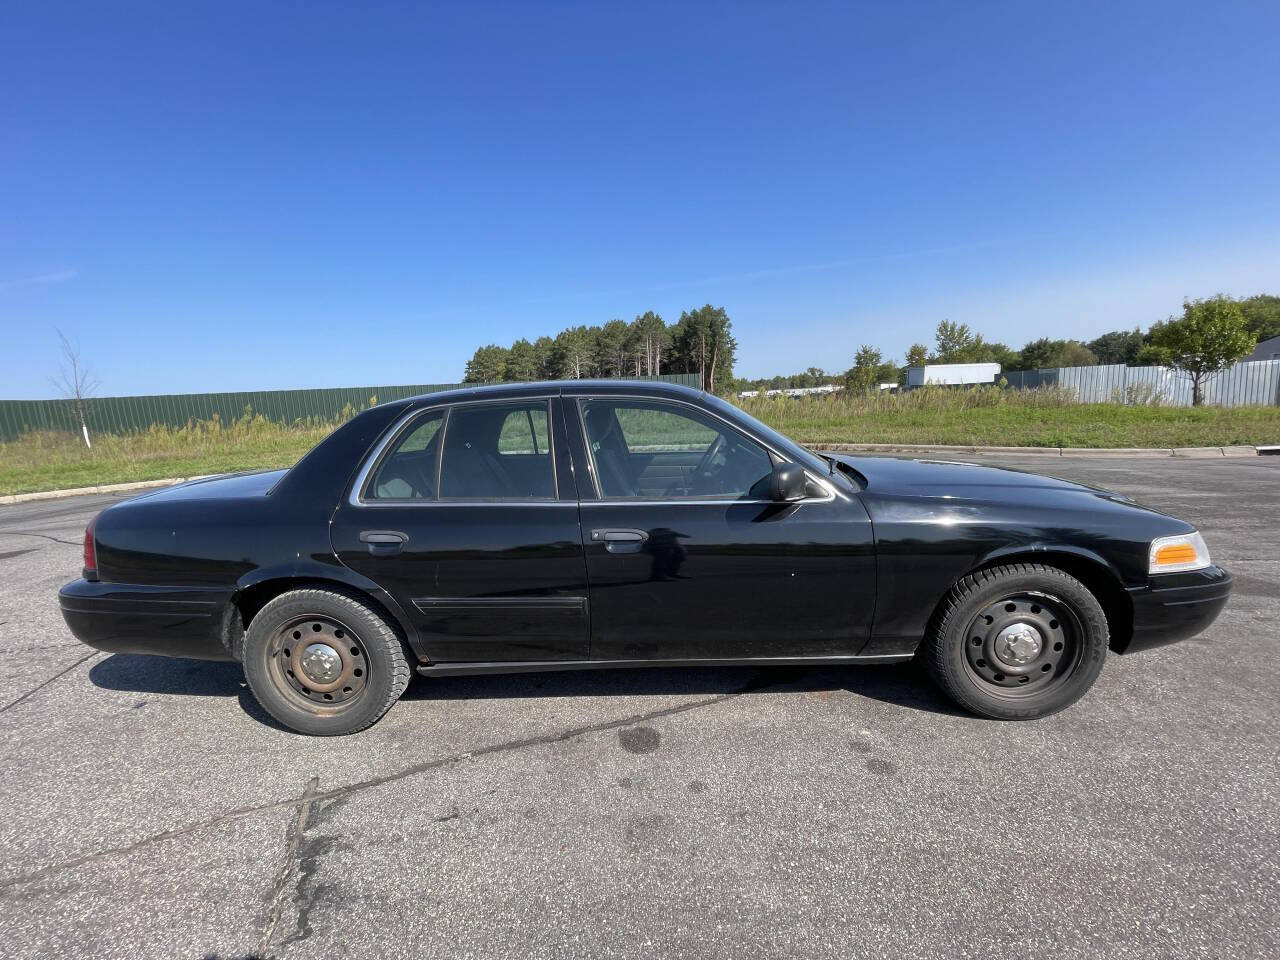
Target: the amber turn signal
pixel 1175 554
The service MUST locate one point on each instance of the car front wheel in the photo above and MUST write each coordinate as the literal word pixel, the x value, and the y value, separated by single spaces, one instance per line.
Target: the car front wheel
pixel 324 662
pixel 1017 642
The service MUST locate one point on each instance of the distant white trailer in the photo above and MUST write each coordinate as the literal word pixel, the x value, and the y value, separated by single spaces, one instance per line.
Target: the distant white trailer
pixel 793 391
pixel 952 374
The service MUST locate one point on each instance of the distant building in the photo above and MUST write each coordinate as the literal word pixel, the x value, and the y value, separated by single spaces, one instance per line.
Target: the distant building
pixel 952 374
pixel 1266 350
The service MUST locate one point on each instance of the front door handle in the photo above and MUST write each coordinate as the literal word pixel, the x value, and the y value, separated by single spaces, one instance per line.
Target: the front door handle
pixel 384 543
pixel 617 540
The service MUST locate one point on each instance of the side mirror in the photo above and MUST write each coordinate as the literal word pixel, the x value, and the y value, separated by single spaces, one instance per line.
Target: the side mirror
pixel 787 482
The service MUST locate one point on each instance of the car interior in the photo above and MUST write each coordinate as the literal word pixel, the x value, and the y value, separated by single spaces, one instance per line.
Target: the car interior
pixel 491 451
pixel 647 449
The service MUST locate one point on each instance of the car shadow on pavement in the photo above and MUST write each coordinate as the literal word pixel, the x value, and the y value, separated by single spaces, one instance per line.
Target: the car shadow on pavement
pixel 136 673
pixel 902 684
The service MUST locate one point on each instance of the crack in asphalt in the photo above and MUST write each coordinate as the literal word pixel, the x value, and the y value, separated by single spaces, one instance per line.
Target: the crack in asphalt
pixel 275 897
pixel 309 891
pixel 61 673
pixel 24 533
pixel 505 746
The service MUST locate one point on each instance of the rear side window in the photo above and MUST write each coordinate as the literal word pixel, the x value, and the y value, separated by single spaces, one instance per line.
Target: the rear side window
pixel 523 432
pixel 409 471
pixel 498 451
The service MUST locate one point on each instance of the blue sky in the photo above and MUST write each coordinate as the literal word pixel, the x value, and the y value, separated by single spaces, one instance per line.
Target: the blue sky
pixel 245 196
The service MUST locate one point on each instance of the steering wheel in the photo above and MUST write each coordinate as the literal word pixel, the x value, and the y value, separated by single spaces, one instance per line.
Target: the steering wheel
pixel 702 471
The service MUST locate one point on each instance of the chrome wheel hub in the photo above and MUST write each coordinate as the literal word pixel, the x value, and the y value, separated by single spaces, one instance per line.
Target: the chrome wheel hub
pixel 321 663
pixel 1019 643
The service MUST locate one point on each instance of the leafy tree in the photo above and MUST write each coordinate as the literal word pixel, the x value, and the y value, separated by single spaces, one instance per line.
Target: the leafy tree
pixel 1076 354
pixel 1210 336
pixel 521 363
pixel 917 355
pixel 866 368
pixel 869 370
pixel 1118 346
pixel 956 343
pixel 1055 353
pixel 703 342
pixel 1262 316
pixel 953 341
pixel 1000 353
pixel 486 365
pixel 652 340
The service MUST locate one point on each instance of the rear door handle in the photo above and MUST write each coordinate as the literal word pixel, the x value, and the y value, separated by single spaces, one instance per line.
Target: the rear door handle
pixel 617 540
pixel 384 543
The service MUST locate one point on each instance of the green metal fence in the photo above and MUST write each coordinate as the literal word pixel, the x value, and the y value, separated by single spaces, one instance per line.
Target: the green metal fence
pixel 127 414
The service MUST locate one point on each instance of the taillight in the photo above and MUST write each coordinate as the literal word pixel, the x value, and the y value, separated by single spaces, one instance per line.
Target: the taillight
pixel 90 551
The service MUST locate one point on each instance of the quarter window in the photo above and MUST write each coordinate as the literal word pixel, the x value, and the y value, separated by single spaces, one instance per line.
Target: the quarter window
pixel 656 450
pixel 409 471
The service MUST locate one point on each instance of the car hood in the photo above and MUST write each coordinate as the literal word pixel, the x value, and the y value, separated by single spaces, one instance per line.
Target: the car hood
pixel 223 486
pixel 947 478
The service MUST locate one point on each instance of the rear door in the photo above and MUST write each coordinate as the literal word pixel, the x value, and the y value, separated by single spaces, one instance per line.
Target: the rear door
pixel 689 559
pixel 468 516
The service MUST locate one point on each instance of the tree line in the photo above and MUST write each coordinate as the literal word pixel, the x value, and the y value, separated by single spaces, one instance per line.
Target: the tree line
pixel 1210 335
pixel 700 342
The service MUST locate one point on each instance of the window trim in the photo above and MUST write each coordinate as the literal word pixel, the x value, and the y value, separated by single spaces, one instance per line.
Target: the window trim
pixel 357 496
pixel 775 455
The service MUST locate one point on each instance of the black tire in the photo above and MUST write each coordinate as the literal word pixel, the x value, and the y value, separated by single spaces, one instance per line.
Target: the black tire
pixel 370 674
pixel 1017 642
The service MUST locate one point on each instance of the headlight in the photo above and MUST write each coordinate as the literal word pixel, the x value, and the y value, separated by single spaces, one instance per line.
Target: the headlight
pixel 1175 554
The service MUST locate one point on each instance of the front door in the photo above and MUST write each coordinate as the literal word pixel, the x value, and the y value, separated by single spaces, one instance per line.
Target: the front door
pixel 468 516
pixel 689 559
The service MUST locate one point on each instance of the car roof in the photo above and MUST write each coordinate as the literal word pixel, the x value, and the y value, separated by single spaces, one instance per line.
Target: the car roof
pixel 499 391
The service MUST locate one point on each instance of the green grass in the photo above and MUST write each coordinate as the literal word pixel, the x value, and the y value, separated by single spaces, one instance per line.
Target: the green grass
pixel 59 461
pixel 1010 418
pixel 1049 418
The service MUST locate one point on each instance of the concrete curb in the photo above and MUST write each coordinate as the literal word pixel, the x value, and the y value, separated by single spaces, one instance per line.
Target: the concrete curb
pixel 1088 453
pixel 83 491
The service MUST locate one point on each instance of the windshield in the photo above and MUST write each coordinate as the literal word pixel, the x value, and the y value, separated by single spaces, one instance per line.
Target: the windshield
pixel 785 445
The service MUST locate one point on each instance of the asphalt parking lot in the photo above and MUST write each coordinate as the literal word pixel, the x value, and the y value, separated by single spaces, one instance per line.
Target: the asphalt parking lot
pixel 148 808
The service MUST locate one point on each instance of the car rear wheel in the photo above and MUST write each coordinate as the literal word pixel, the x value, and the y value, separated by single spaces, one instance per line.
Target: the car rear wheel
pixel 1017 642
pixel 323 662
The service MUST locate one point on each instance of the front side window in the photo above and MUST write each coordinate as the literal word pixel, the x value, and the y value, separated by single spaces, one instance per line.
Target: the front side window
pixel 656 450
pixel 498 451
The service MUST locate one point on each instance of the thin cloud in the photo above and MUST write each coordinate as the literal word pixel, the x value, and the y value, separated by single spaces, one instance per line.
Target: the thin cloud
pixel 744 276
pixel 40 279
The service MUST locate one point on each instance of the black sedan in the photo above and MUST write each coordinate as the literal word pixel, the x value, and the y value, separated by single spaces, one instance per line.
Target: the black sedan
pixel 577 525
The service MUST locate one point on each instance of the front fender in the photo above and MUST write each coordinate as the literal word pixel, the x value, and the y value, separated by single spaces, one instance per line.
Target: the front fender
pixel 1045 553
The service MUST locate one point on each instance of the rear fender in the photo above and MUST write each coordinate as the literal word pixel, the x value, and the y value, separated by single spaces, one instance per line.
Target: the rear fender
pixel 257 587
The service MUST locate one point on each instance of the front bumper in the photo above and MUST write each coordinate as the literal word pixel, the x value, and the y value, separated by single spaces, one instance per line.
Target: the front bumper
pixel 131 618
pixel 1176 606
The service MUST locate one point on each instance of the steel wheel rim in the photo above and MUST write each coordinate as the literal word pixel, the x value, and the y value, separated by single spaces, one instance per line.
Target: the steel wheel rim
pixel 319 662
pixel 1023 644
